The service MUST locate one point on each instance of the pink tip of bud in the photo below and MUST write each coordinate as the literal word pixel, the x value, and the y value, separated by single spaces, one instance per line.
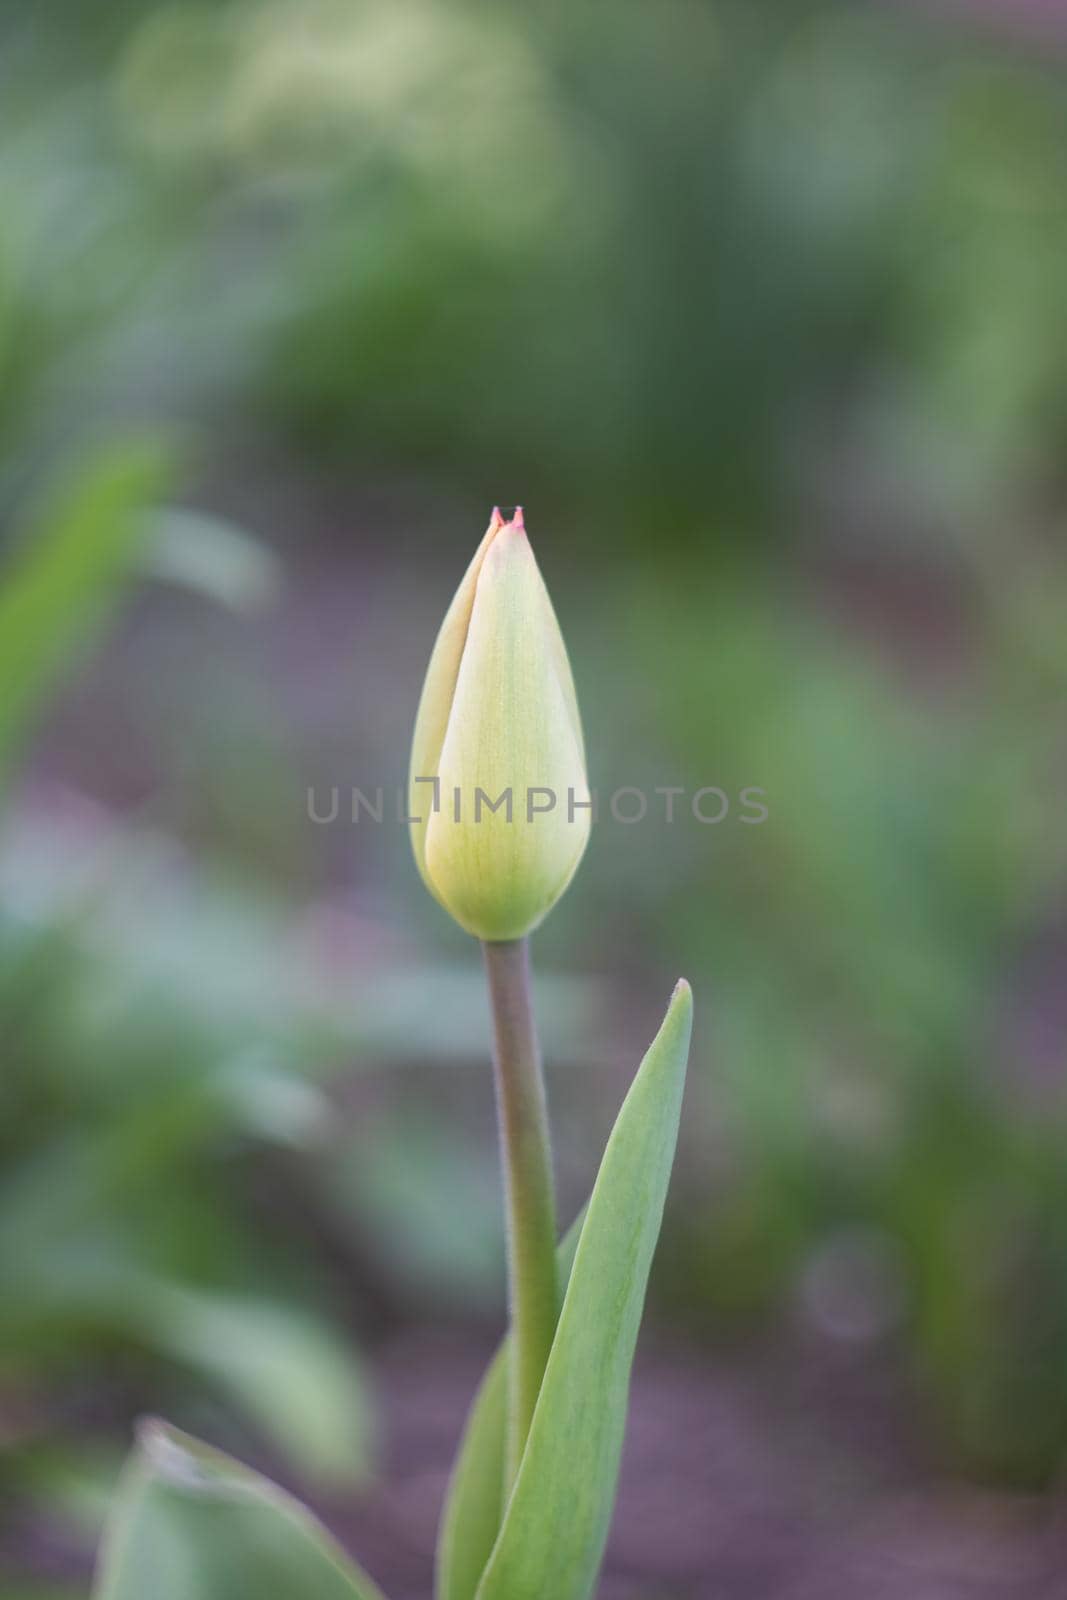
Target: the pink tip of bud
pixel 501 519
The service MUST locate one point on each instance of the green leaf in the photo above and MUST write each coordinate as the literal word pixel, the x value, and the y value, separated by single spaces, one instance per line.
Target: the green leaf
pixel 556 1523
pixel 65 573
pixel 474 1504
pixel 212 557
pixel 190 1523
pixel 289 1371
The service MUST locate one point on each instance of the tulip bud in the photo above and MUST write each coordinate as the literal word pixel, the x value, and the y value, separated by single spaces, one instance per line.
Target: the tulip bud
pixel 498 836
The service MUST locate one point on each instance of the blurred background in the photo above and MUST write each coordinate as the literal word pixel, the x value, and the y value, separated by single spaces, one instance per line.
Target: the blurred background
pixel 760 308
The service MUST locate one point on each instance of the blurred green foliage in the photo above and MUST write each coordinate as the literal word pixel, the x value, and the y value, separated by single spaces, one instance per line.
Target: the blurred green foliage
pixel 871 953
pixel 649 268
pixel 761 305
pixel 110 1098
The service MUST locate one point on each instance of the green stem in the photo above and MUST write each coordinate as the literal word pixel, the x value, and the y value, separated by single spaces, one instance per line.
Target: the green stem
pixel 527 1158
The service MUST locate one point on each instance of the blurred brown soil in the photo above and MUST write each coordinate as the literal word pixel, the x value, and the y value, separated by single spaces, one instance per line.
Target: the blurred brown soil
pixel 746 1479
pixel 770 1473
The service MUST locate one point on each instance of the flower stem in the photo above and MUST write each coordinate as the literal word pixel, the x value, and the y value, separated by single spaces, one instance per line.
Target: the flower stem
pixel 527 1158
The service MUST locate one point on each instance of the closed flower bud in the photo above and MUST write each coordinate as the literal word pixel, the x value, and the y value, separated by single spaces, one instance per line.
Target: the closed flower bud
pixel 498 791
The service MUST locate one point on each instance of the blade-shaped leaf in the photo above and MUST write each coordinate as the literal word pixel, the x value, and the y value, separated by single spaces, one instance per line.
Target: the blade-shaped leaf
pixel 474 1504
pixel 213 558
pixel 190 1523
pixel 67 571
pixel 556 1523
pixel 291 1373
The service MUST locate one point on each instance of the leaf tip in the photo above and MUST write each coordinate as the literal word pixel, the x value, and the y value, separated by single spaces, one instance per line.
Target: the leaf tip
pixel 176 1459
pixel 681 1001
pixel 147 1431
pixel 159 1447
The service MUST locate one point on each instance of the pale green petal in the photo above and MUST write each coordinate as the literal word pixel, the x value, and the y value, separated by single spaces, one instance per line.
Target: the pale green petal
pixel 435 704
pixel 563 670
